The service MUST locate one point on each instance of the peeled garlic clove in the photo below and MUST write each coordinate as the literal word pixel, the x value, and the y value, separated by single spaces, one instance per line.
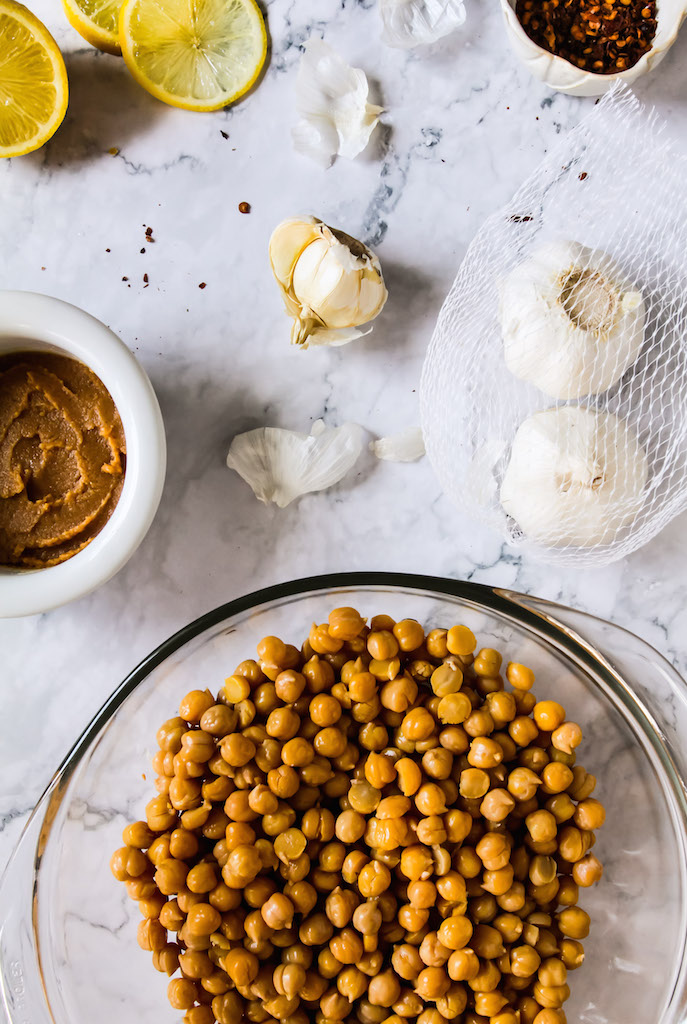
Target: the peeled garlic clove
pixel 406 446
pixel 409 23
pixel 330 282
pixel 572 325
pixel 336 118
pixel 280 465
pixel 575 477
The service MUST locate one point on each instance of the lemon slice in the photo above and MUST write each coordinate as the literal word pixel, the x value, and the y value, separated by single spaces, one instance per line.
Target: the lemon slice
pixel 33 81
pixel 97 21
pixel 195 54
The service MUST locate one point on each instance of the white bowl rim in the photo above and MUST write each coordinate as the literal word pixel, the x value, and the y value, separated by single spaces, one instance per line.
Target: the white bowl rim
pixel 31 321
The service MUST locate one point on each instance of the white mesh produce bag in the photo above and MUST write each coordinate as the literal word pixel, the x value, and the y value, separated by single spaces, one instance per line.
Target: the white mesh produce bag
pixel 554 392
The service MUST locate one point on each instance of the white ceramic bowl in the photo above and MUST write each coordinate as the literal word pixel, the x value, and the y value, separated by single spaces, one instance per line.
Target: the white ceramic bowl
pixel 563 76
pixel 31 322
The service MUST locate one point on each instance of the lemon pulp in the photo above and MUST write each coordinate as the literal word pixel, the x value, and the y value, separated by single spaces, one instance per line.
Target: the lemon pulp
pixel 197 54
pixel 33 81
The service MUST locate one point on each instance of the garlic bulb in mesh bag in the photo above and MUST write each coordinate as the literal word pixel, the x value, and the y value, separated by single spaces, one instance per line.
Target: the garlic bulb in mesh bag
pixel 331 283
pixel 572 325
pixel 575 476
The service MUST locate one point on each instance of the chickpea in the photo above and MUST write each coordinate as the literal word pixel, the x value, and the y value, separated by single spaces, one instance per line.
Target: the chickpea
pixel 382 644
pixel 182 993
pixel 345 624
pixel 460 641
pixel 589 814
pixel 587 871
pixel 454 708
pixel 432 983
pixel 484 752
pixel 573 923
pixel 583 784
pixel 541 826
pixel 497 805
pixel 380 770
pixel 567 737
pixel 524 961
pixel 350 827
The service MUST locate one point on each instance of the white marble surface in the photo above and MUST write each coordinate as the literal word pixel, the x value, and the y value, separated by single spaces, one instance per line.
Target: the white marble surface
pixel 464 125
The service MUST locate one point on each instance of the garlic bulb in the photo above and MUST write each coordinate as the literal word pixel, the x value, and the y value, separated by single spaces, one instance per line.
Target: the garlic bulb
pixel 406 446
pixel 571 324
pixel 409 23
pixel 575 477
pixel 336 118
pixel 280 465
pixel 330 282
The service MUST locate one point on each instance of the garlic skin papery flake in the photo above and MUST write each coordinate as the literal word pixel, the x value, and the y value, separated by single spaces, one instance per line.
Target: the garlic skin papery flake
pixel 409 23
pixel 331 283
pixel 572 325
pixel 280 465
pixel 331 97
pixel 406 446
pixel 575 477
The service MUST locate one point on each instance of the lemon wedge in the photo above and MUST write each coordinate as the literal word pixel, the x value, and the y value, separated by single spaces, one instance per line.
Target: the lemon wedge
pixel 198 55
pixel 33 81
pixel 97 21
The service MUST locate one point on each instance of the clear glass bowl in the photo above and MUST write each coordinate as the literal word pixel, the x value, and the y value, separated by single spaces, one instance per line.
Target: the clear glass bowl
pixel 68 947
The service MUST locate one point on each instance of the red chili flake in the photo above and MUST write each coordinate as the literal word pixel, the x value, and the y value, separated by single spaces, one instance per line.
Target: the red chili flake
pixel 125 279
pixel 517 219
pixel 582 176
pixel 149 232
pixel 244 207
pixel 145 281
pixel 601 36
pixel 143 249
pixel 107 250
pixel 202 284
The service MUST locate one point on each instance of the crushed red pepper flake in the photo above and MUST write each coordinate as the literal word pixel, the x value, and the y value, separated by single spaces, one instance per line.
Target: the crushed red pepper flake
pixel 601 36
pixel 582 176
pixel 202 284
pixel 145 281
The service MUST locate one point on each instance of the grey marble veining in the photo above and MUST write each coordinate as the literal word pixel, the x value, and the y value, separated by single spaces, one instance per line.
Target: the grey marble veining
pixel 464 125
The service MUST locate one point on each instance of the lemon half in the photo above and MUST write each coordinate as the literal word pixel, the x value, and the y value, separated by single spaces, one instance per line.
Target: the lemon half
pixel 195 54
pixel 97 21
pixel 33 81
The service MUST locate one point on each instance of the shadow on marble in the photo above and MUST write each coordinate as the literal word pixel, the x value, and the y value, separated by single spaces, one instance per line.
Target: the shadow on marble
pixel 416 296
pixel 107 109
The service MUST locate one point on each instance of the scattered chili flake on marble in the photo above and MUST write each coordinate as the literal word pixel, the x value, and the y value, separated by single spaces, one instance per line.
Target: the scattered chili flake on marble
pixel 202 284
pixel 143 249
pixel 582 176
pixel 107 250
pixel 145 281
pixel 244 207
pixel 601 36
pixel 125 279
pixel 225 135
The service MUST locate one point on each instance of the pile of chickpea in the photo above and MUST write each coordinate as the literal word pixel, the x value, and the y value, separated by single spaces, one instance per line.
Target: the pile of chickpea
pixel 371 828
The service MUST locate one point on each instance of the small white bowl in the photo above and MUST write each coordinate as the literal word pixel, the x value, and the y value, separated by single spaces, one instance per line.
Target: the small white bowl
pixel 31 322
pixel 560 74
